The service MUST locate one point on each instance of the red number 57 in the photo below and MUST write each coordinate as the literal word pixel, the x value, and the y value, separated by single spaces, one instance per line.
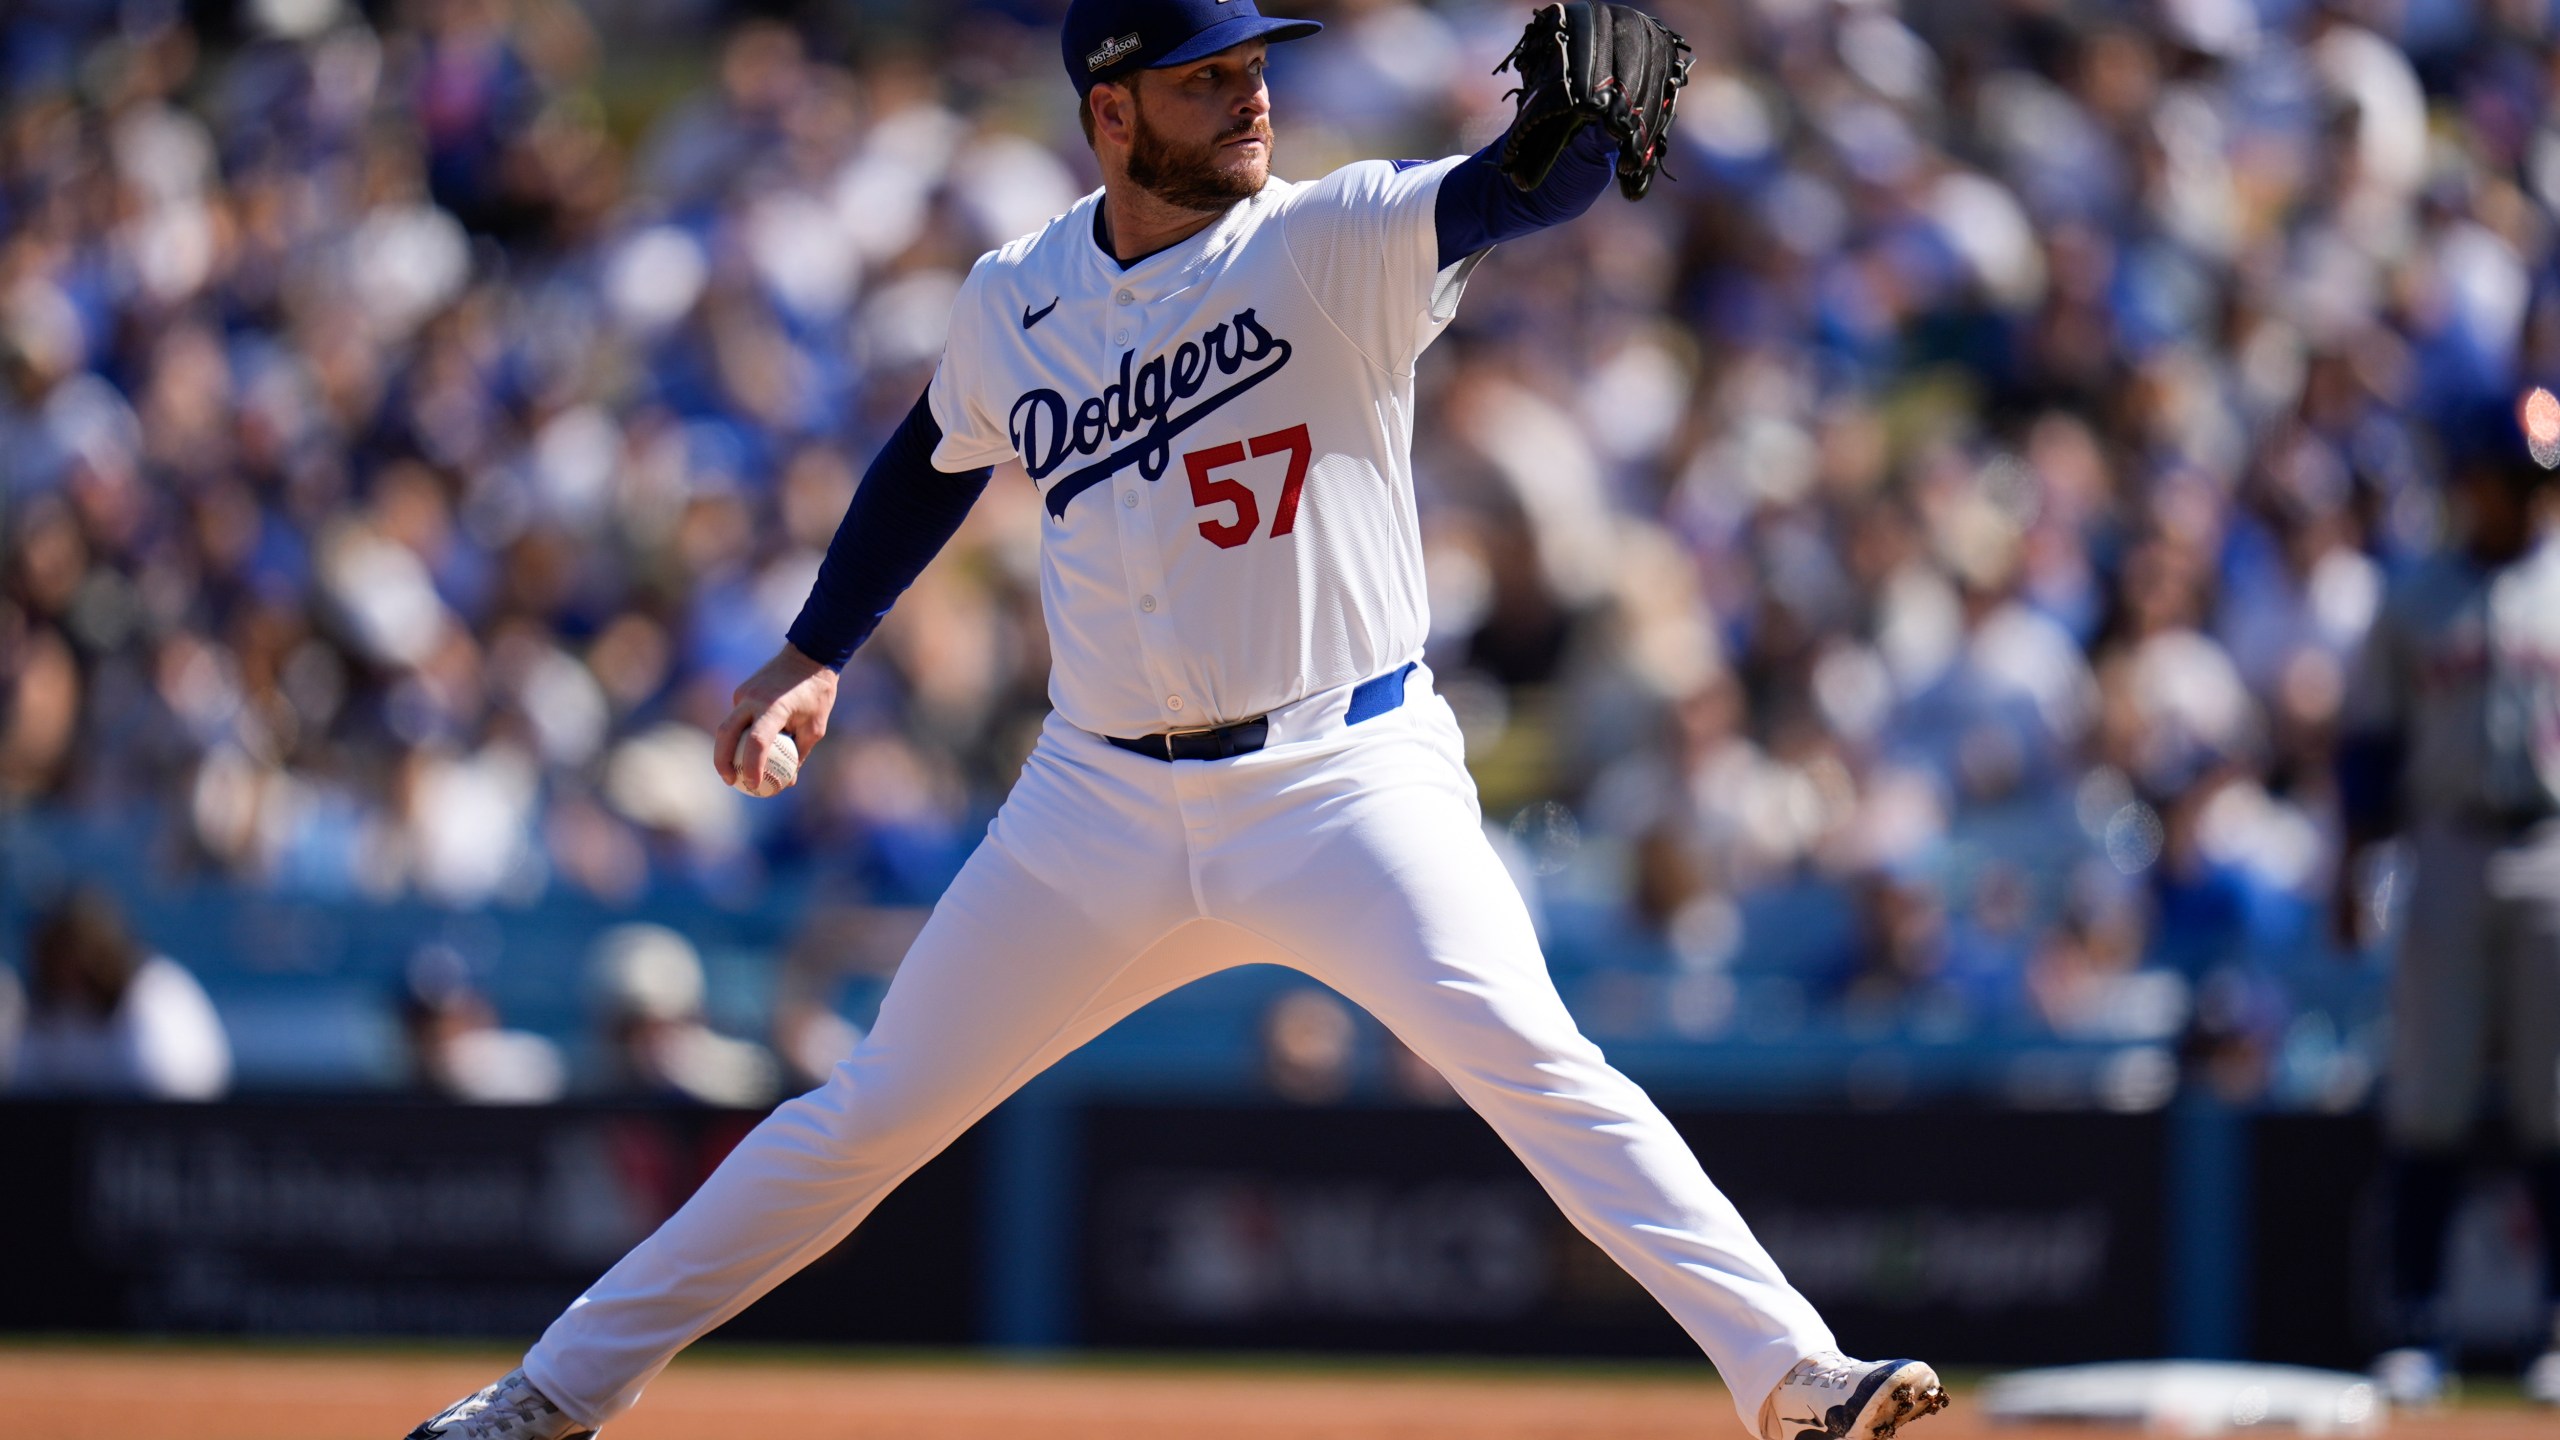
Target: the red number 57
pixel 1207 489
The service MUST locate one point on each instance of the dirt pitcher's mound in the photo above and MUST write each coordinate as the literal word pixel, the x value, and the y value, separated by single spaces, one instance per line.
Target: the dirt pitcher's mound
pixel 140 1393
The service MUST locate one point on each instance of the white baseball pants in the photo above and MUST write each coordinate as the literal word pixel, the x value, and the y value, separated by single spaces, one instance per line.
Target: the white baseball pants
pixel 1356 855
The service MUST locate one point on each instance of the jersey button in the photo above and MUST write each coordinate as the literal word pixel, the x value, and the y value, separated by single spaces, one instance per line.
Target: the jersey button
pixel 1121 338
pixel 1128 499
pixel 1148 604
pixel 1173 702
pixel 1124 297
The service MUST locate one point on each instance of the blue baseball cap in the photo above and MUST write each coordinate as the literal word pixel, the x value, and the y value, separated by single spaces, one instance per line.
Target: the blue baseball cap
pixel 1103 38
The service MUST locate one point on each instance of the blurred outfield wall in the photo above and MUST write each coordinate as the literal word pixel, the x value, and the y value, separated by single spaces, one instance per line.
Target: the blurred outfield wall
pixel 2022 1239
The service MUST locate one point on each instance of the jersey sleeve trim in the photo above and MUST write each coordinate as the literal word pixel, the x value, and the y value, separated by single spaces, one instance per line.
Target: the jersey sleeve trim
pixel 954 454
pixel 1451 283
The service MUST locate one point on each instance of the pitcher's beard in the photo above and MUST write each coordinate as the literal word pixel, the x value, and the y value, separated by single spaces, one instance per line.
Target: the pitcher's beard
pixel 1189 177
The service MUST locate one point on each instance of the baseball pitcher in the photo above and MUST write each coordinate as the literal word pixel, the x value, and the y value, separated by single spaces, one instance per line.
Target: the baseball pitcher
pixel 1209 374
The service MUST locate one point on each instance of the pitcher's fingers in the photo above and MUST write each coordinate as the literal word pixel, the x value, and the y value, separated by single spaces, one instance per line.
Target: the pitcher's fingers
pixel 756 748
pixel 724 742
pixel 806 730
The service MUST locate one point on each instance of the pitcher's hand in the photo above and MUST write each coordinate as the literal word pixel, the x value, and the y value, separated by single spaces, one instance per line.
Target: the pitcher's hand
pixel 791 693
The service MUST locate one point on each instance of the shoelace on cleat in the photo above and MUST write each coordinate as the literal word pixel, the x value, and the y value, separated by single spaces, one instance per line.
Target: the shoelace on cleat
pixel 1835 1373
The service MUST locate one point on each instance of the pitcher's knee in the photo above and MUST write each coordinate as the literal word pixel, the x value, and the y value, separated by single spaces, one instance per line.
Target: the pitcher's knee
pixel 863 1114
pixel 1584 1083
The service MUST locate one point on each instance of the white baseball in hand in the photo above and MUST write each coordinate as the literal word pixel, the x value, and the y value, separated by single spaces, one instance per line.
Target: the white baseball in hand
pixel 781 766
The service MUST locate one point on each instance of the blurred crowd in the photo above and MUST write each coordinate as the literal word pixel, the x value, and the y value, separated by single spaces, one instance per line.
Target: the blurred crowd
pixel 1958 496
pixel 105 1012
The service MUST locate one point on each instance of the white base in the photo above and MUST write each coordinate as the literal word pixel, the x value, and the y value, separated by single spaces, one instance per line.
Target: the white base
pixel 2191 1397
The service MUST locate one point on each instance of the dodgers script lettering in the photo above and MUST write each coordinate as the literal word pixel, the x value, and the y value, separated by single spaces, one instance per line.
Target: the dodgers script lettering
pixel 1048 432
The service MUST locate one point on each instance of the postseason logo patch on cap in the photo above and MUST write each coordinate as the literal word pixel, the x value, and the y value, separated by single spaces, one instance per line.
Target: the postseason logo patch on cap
pixel 1110 50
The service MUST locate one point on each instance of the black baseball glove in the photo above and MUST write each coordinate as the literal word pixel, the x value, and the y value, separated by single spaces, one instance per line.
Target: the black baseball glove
pixel 1585 64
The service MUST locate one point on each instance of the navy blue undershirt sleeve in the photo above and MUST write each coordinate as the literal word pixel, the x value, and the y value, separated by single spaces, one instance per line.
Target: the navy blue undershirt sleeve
pixel 1479 207
pixel 902 514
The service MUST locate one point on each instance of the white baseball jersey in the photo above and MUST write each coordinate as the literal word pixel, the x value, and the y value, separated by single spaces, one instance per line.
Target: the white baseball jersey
pixel 1222 436
pixel 2465 662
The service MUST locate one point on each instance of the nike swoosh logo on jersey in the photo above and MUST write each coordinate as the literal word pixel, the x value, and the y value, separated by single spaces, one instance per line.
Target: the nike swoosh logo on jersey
pixel 1046 437
pixel 1031 317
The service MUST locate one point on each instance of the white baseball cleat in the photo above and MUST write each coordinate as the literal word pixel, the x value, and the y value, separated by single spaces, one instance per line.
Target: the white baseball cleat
pixel 509 1410
pixel 1829 1396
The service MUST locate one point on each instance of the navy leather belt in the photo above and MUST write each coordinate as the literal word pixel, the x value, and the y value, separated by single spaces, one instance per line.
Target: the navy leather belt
pixel 1370 699
pixel 1223 743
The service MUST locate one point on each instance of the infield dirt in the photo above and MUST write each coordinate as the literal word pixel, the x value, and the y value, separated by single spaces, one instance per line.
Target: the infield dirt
pixel 58 1392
